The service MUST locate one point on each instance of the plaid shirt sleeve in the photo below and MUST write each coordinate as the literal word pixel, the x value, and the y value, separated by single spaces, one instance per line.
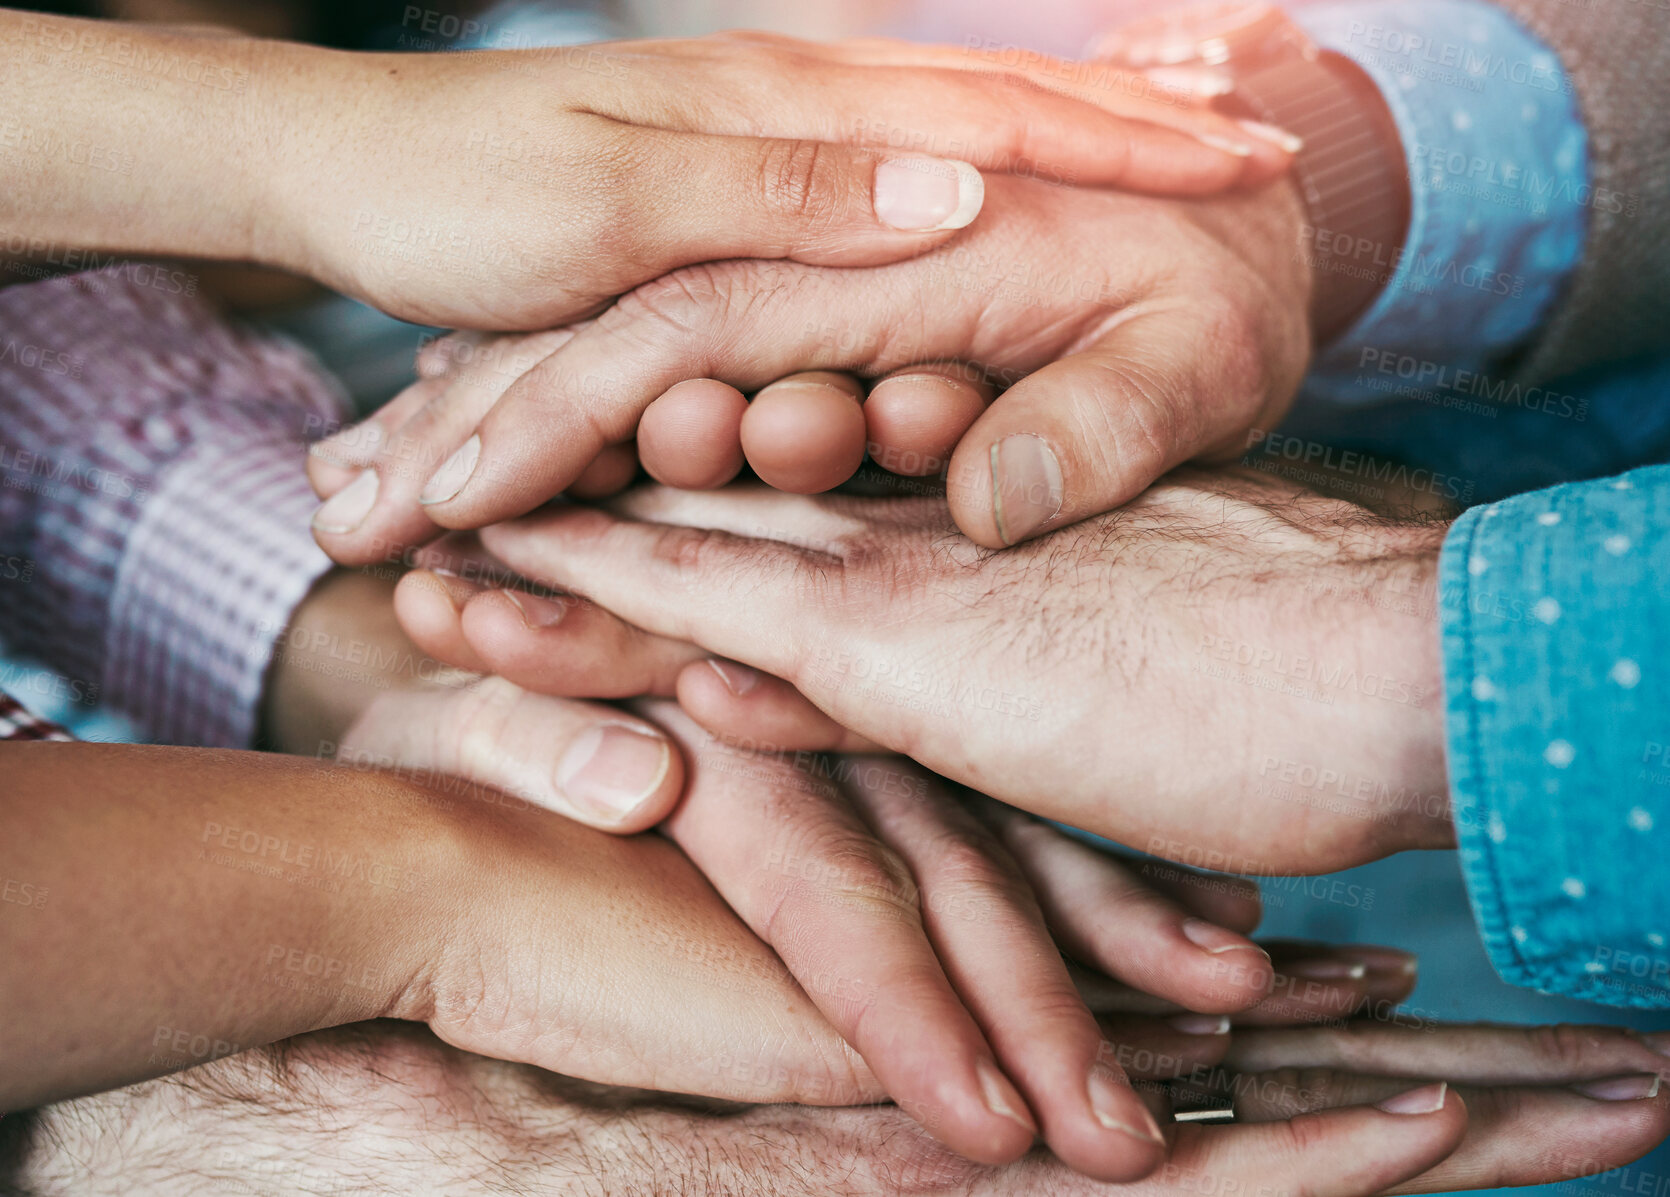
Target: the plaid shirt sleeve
pixel 154 508
pixel 18 723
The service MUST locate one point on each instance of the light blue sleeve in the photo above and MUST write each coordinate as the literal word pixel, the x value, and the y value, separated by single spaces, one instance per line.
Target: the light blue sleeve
pixel 1498 171
pixel 1555 608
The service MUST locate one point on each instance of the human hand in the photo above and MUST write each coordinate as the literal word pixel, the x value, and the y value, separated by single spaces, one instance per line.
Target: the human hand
pixel 524 189
pixel 927 935
pixel 1221 642
pixel 331 1102
pixel 1158 332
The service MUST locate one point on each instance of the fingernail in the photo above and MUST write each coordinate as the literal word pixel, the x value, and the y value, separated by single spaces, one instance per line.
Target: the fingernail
pixel 1217 940
pixel 1428 1099
pixel 455 471
pixel 738 679
pixel 347 508
pixel 1272 133
pixel 457 590
pixel 537 610
pixel 1620 1088
pixel 927 195
pixel 1383 960
pixel 1200 1024
pixel 1189 81
pixel 1326 970
pixel 1239 148
pixel 1001 1097
pixel 1026 486
pixel 1110 1102
pixel 612 768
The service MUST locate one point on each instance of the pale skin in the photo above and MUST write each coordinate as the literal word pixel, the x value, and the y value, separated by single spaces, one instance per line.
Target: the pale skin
pixel 1225 640
pixel 523 189
pixel 1132 334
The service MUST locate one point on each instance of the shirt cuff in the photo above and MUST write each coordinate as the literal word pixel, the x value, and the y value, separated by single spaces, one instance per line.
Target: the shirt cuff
pixel 220 557
pixel 1556 640
pixel 1497 156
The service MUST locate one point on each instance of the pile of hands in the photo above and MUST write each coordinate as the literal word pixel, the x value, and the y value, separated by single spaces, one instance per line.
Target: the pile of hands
pixel 848 717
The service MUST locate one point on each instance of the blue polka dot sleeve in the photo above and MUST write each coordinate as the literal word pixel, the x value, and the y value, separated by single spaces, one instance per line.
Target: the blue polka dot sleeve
pixel 1556 634
pixel 1498 167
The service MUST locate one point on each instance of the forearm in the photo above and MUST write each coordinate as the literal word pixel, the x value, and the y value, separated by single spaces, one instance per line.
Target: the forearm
pixel 187 904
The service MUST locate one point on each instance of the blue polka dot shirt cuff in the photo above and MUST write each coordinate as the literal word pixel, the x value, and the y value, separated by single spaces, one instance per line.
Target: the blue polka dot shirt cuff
pixel 1498 168
pixel 1555 611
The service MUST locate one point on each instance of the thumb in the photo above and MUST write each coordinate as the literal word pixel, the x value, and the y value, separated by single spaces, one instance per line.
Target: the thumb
pixel 1094 430
pixel 592 763
pixel 705 198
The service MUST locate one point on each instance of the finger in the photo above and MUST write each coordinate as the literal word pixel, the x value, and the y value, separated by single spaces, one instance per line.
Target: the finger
pixel 429 605
pixel 337 460
pixel 1354 1151
pixel 691 437
pixel 382 510
pixel 593 764
pixel 677 574
pixel 1148 1048
pixel 1094 430
pixel 803 870
pixel 991 937
pixel 754 710
pixel 1103 915
pixel 1388 974
pixel 805 433
pixel 915 418
pixel 1515 1135
pixel 1478 1055
pixel 1232 902
pixel 610 472
pixel 566 646
pixel 1062 132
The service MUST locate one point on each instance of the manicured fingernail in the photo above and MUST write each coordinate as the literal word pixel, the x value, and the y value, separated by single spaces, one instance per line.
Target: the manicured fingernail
pixel 927 195
pixel 1200 1024
pixel 537 610
pixel 738 679
pixel 612 768
pixel 455 471
pixel 1001 1097
pixel 1026 486
pixel 1326 970
pixel 1620 1088
pixel 1272 133
pixel 1217 940
pixel 1428 1099
pixel 1111 1104
pixel 347 508
pixel 1239 148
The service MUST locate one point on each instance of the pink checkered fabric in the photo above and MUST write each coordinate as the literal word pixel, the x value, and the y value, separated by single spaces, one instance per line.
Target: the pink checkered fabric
pixel 153 506
pixel 17 722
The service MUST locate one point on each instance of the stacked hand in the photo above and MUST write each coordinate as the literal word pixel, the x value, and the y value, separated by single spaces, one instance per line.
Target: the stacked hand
pixel 1158 332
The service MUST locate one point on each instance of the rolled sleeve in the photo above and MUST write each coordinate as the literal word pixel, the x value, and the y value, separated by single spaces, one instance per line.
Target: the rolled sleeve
pixel 1556 636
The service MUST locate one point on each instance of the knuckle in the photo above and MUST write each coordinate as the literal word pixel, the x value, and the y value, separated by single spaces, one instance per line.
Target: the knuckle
pixel 691 302
pixel 687 550
pixel 1568 1046
pixel 797 178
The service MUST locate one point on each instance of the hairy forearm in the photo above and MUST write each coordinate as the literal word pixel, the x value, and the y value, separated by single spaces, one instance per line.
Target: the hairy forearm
pixel 187 904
